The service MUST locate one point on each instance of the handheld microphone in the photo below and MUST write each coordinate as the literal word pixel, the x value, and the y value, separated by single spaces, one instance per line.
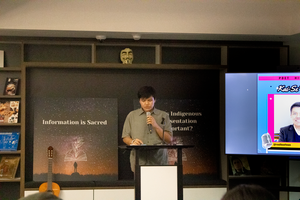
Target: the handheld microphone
pixel 266 141
pixel 149 125
pixel 163 133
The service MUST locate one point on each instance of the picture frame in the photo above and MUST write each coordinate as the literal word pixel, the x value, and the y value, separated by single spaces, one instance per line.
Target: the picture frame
pixel 9 141
pixel 9 111
pixel 239 165
pixel 11 86
pixel 9 166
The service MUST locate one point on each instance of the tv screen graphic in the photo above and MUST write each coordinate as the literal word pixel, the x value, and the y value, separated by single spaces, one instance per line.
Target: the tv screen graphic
pixel 262 113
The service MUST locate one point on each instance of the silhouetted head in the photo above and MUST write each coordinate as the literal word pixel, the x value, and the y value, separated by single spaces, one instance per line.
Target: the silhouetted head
pixel 248 192
pixel 41 196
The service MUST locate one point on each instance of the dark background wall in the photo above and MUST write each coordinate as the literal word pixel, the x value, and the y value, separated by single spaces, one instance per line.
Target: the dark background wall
pixel 123 84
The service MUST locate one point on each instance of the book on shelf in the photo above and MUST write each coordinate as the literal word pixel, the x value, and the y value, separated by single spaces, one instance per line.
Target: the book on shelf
pixel 9 166
pixel 239 165
pixel 11 86
pixel 9 111
pixel 9 141
pixel 1 58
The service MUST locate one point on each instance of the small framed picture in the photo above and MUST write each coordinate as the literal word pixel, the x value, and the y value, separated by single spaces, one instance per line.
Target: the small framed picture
pixel 9 111
pixel 240 165
pixel 9 166
pixel 11 86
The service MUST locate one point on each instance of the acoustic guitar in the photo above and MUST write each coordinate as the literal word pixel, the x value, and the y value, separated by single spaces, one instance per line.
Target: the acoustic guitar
pixel 50 186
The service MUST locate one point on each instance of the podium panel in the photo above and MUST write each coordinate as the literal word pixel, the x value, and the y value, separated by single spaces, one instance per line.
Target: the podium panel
pixel 159 182
pixel 151 182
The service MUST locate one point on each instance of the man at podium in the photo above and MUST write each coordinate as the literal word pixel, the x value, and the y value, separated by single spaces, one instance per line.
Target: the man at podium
pixel 148 126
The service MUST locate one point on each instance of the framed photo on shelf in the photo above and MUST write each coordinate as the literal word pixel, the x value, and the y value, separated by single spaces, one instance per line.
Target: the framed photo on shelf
pixel 9 111
pixel 239 165
pixel 9 166
pixel 11 86
pixel 9 141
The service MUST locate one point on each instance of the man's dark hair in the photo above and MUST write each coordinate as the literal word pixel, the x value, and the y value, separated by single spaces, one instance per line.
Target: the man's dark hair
pixel 297 104
pixel 146 92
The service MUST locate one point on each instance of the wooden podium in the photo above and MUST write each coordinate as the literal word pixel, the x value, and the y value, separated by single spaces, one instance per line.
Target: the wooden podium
pixel 167 175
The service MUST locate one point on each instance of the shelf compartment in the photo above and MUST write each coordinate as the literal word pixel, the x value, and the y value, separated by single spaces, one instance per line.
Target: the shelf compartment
pixel 10 152
pixel 10 97
pixel 12 124
pixel 18 179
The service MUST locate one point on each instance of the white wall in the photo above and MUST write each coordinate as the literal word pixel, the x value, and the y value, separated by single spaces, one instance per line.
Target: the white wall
pixel 267 17
pixel 128 194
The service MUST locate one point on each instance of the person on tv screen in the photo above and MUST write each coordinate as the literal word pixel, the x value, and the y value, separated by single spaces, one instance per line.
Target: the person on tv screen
pixel 146 126
pixel 239 168
pixel 291 133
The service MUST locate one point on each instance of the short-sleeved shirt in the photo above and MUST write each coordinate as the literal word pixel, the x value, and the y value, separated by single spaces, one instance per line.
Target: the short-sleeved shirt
pixel 136 127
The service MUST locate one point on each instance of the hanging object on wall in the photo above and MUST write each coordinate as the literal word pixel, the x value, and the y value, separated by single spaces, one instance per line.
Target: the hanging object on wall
pixel 126 56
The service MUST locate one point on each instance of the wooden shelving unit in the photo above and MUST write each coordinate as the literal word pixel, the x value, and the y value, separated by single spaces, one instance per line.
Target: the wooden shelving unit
pixel 22 54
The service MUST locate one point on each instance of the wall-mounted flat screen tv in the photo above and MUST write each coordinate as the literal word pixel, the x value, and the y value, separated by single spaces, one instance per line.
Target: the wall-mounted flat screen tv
pixel 262 113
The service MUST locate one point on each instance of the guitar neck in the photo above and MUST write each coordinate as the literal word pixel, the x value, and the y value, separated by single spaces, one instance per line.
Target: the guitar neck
pixel 49 179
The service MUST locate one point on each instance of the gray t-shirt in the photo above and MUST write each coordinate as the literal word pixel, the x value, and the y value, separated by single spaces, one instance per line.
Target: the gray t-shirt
pixel 135 126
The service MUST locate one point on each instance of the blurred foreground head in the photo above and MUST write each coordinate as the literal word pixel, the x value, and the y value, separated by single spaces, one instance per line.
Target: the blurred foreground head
pixel 41 196
pixel 248 192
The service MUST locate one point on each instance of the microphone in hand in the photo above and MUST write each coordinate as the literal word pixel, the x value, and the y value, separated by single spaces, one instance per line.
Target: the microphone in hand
pixel 163 133
pixel 149 125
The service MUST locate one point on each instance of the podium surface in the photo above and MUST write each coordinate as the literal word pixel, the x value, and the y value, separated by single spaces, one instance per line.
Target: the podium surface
pixel 163 180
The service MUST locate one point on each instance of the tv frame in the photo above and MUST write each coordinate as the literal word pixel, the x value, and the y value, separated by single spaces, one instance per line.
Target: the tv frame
pixel 249 115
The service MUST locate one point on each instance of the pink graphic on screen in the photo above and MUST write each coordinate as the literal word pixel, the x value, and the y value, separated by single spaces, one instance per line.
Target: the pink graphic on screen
pixel 271 115
pixel 278 78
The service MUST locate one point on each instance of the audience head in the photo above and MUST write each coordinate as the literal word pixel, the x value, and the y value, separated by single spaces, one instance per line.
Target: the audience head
pixel 41 196
pixel 248 192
